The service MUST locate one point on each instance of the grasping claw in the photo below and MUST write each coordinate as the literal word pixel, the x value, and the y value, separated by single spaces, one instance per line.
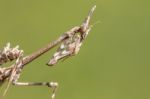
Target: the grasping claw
pixel 71 45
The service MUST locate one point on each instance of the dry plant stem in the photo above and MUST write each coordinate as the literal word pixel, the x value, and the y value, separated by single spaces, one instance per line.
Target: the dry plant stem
pixel 13 72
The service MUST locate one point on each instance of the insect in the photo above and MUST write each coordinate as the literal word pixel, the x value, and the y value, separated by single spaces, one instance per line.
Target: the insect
pixel 69 47
pixel 9 54
pixel 70 44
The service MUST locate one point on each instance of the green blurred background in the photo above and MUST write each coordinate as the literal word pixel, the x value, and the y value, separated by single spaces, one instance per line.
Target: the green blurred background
pixel 114 61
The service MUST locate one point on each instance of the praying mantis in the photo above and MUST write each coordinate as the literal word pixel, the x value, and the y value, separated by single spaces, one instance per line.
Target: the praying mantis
pixel 70 44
